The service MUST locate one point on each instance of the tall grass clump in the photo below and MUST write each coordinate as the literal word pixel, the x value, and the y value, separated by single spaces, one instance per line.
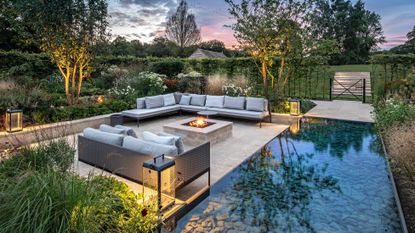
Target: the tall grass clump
pixel 39 192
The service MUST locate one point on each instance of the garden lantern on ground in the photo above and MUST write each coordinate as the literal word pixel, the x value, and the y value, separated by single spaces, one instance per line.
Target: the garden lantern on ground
pixel 159 181
pixel 295 108
pixel 14 120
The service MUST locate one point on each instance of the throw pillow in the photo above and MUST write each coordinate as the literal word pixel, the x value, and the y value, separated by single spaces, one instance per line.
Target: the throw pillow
pixel 110 129
pixel 148 148
pixel 128 131
pixel 148 136
pixel 185 100
pixel 198 100
pixel 154 102
pixel 141 103
pixel 178 141
pixel 214 101
pixel 255 104
pixel 169 100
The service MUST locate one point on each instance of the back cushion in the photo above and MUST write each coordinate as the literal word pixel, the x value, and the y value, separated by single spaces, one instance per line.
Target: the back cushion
pixel 128 131
pixel 141 103
pixel 104 137
pixel 178 141
pixel 214 101
pixel 234 102
pixel 198 100
pixel 185 100
pixel 255 104
pixel 110 129
pixel 177 97
pixel 154 102
pixel 169 100
pixel 151 137
pixel 148 148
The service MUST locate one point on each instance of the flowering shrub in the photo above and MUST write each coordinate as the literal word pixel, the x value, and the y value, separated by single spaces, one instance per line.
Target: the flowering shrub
pixel 233 90
pixel 393 111
pixel 130 87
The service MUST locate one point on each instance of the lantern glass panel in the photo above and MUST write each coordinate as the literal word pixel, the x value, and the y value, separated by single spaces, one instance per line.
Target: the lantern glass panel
pixel 295 108
pixel 159 186
pixel 14 120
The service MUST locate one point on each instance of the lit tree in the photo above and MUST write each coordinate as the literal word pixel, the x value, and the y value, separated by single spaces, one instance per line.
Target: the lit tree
pixel 68 31
pixel 182 28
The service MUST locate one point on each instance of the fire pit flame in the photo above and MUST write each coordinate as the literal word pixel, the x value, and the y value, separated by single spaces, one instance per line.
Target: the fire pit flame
pixel 200 122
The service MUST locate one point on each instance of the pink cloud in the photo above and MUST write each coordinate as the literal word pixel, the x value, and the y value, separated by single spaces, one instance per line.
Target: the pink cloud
pixel 209 32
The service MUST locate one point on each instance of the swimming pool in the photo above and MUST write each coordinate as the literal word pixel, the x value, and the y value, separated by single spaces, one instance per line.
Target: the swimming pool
pixel 330 176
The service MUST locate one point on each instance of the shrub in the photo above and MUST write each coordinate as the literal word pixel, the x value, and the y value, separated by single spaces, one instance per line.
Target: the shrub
pixel 215 84
pixel 192 82
pixel 169 67
pixel 391 112
pixel 233 90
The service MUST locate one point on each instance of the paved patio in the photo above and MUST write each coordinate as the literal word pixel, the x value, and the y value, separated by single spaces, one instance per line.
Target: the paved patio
pixel 247 138
pixel 342 110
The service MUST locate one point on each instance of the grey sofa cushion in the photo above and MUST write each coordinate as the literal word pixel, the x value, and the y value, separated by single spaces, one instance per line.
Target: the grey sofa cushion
pixel 110 129
pixel 185 100
pixel 165 140
pixel 141 103
pixel 178 141
pixel 191 108
pixel 243 114
pixel 169 100
pixel 104 137
pixel 255 104
pixel 128 131
pixel 177 97
pixel 234 102
pixel 148 148
pixel 214 101
pixel 145 113
pixel 198 100
pixel 154 102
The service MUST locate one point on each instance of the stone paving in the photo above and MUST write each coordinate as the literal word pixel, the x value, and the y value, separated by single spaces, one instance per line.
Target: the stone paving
pixel 342 110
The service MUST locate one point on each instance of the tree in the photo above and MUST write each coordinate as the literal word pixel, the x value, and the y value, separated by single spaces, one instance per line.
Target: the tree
pixel 181 27
pixel 411 37
pixel 408 46
pixel 67 32
pixel 269 28
pixel 213 45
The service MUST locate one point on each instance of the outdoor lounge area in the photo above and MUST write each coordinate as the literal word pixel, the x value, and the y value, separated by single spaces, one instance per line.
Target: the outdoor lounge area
pixel 219 116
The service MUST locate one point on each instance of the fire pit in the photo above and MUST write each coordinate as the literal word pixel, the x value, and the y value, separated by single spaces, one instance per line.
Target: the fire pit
pixel 200 122
pixel 198 130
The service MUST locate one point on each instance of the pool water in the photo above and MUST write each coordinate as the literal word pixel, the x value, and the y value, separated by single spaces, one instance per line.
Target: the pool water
pixel 330 176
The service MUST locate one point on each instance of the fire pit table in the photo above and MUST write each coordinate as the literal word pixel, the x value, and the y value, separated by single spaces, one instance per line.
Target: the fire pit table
pixel 196 130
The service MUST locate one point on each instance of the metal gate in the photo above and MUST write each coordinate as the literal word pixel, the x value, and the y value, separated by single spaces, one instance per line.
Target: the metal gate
pixel 352 84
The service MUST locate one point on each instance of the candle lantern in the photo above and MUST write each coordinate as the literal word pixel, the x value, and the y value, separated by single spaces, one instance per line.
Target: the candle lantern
pixel 295 108
pixel 159 181
pixel 14 120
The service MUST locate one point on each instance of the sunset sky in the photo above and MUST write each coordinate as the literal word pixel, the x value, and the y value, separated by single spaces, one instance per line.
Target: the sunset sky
pixel 145 19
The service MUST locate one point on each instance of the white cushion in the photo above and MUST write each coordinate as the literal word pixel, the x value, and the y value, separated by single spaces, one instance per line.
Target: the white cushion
pixel 104 137
pixel 148 148
pixel 255 104
pixel 151 137
pixel 214 101
pixel 141 103
pixel 128 131
pixel 110 129
pixel 169 99
pixel 178 141
pixel 154 102
pixel 198 100
pixel 185 100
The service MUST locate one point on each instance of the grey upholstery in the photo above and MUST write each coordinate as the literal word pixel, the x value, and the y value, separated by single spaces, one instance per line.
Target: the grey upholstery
pixel 146 113
pixel 141 103
pixel 128 130
pixel 214 101
pixel 166 140
pixel 169 100
pixel 234 102
pixel 154 102
pixel 185 100
pixel 191 108
pixel 147 147
pixel 177 97
pixel 178 141
pixel 255 104
pixel 240 113
pixel 198 100
pixel 110 129
pixel 104 137
pixel 129 164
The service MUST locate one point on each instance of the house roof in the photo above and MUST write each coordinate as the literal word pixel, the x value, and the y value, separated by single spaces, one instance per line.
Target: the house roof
pixel 202 53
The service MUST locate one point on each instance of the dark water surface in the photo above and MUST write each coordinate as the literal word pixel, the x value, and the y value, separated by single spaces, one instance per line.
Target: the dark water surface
pixel 331 176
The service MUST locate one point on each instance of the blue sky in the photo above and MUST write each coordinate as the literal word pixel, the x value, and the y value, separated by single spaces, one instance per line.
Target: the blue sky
pixel 145 19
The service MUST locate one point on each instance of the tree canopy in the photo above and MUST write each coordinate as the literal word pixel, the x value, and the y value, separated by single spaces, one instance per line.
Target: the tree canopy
pixel 408 46
pixel 181 27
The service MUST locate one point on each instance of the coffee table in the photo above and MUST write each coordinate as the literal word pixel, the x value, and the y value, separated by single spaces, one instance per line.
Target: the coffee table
pixel 207 113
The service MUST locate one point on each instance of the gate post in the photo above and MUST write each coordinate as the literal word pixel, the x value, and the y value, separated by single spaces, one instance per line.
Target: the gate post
pixel 364 90
pixel 331 86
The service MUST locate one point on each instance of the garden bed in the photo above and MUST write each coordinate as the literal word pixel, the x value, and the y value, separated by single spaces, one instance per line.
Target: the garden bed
pixel 401 149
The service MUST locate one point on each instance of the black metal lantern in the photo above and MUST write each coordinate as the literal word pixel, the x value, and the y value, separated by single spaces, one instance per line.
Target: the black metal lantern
pixel 159 181
pixel 14 120
pixel 295 108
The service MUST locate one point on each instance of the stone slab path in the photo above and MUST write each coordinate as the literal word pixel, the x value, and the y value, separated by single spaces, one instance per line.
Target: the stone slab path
pixel 342 110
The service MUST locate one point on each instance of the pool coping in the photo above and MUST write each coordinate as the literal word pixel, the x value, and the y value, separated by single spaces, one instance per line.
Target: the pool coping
pixel 395 190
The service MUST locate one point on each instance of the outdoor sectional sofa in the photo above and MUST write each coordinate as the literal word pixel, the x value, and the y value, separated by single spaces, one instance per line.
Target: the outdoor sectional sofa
pixel 107 151
pixel 250 108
